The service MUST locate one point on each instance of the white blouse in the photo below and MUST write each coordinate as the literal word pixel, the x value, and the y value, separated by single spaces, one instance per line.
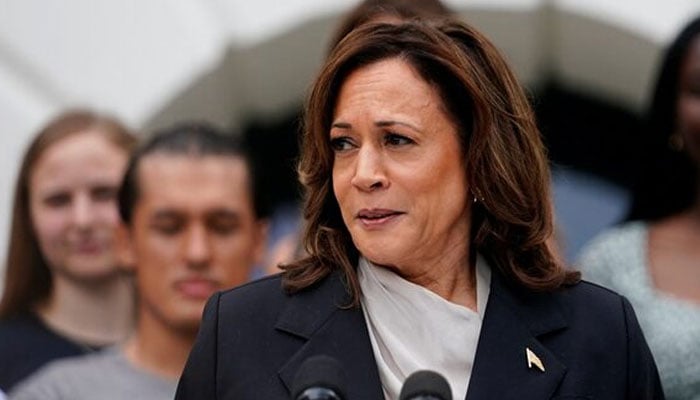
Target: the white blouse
pixel 412 328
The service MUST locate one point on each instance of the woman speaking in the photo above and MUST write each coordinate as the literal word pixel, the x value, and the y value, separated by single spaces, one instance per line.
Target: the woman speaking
pixel 427 219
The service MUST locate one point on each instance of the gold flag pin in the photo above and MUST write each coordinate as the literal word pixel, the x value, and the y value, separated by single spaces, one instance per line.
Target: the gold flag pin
pixel 532 359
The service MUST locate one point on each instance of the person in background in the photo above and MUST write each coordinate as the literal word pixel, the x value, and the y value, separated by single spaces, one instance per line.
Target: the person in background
pixel 653 258
pixel 64 293
pixel 427 216
pixel 193 226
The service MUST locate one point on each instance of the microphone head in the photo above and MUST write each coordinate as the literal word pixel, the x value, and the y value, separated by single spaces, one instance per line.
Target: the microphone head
pixel 319 377
pixel 425 385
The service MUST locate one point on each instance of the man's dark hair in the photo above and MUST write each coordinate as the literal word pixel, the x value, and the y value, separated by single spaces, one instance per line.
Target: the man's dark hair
pixel 189 139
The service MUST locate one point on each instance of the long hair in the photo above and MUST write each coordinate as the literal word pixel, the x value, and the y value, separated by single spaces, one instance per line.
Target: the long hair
pixel 505 160
pixel 377 10
pixel 668 180
pixel 28 278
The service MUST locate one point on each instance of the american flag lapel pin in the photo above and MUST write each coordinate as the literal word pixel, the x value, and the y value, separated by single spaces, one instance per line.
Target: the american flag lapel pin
pixel 533 360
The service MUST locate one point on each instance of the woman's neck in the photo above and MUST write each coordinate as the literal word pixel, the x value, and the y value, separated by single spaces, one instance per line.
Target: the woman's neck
pixel 451 276
pixel 94 314
pixel 674 250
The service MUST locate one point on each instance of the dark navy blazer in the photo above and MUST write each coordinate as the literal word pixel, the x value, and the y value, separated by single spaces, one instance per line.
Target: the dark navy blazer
pixel 254 338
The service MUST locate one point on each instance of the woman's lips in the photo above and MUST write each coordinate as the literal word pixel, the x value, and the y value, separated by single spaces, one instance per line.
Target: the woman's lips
pixel 196 288
pixel 377 217
pixel 88 247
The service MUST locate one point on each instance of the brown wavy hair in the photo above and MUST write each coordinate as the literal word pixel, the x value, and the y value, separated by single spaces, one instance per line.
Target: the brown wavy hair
pixel 505 159
pixel 28 278
pixel 378 10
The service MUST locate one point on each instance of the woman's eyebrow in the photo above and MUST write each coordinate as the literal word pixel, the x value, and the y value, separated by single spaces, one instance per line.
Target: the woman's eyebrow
pixel 386 123
pixel 380 124
pixel 341 125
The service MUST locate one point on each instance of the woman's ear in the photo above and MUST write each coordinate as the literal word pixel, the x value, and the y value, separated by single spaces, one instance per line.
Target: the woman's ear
pixel 124 248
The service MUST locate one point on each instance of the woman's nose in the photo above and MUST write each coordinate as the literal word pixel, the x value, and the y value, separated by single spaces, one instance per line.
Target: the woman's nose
pixel 82 211
pixel 369 170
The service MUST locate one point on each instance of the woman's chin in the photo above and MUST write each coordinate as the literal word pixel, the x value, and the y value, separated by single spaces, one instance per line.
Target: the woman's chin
pixel 90 270
pixel 382 254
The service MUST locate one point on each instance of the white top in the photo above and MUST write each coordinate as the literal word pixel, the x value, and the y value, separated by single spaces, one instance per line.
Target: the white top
pixel 618 259
pixel 412 328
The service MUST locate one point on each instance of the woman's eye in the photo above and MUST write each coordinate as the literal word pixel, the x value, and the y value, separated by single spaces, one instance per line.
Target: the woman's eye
pixel 57 200
pixel 104 193
pixel 393 139
pixel 341 144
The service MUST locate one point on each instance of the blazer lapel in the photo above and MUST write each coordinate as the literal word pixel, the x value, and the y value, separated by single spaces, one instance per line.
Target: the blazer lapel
pixel 511 326
pixel 329 328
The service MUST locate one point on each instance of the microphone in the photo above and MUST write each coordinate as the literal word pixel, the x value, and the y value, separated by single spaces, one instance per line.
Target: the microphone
pixel 425 385
pixel 319 378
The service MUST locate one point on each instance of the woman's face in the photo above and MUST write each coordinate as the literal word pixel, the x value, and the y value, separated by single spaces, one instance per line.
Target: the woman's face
pixel 689 100
pixel 398 172
pixel 72 192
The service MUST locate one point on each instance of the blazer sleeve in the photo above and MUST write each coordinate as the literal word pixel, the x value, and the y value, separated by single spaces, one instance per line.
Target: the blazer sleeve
pixel 198 380
pixel 642 376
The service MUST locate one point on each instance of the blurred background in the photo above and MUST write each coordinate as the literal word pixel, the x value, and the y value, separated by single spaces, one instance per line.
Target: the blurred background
pixel 587 64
